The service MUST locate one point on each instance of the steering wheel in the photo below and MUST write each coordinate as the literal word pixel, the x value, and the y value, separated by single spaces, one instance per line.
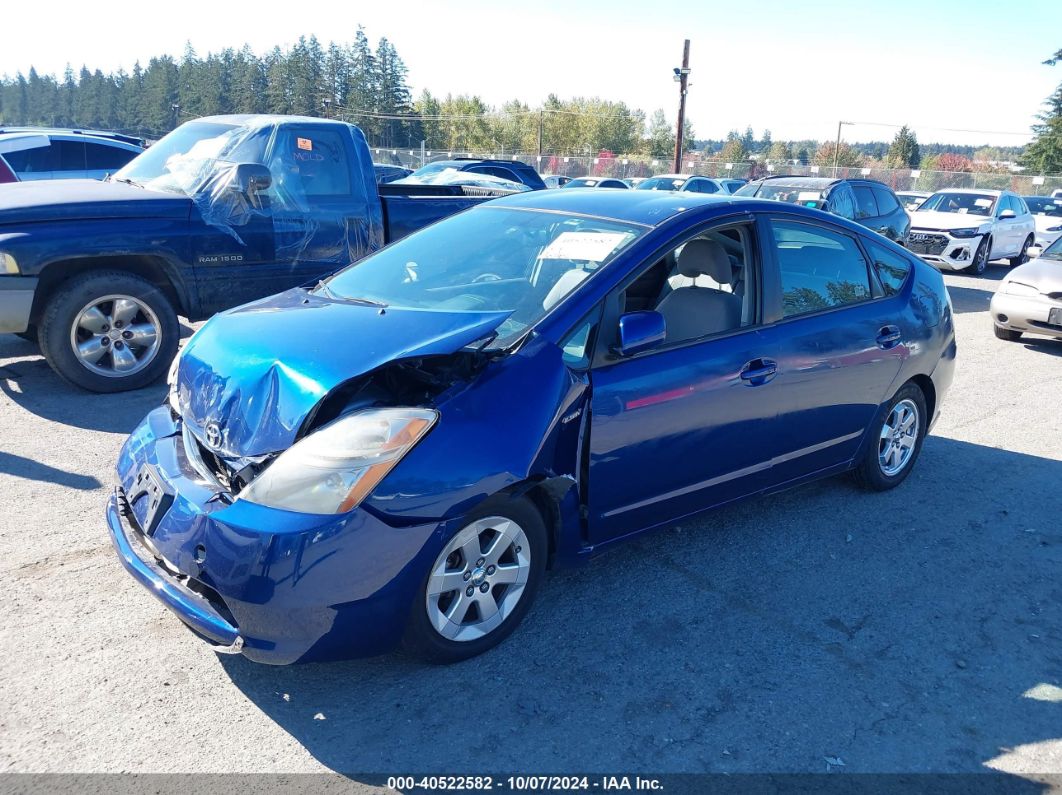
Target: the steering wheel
pixel 487 277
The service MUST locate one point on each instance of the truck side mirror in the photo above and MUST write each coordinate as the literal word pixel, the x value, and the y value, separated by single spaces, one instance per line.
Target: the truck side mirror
pixel 252 178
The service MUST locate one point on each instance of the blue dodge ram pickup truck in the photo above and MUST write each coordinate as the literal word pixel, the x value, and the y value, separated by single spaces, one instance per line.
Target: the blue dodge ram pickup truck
pixel 222 211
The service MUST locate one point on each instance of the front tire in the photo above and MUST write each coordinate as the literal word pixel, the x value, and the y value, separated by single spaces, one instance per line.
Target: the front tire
pixel 109 331
pixel 896 441
pixel 980 260
pixel 481 584
pixel 1006 334
pixel 1023 257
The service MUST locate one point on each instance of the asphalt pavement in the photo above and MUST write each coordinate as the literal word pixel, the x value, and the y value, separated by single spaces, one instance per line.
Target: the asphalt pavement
pixel 824 628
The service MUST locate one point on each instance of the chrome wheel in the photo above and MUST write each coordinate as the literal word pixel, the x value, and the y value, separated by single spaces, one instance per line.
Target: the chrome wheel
pixel 478 579
pixel 116 336
pixel 899 435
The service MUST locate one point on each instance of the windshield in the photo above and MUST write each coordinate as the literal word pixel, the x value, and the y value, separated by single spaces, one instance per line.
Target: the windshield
pixel 487 260
pixel 790 193
pixel 1054 251
pixel 183 160
pixel 662 183
pixel 910 201
pixel 1042 205
pixel 961 203
pixel 432 168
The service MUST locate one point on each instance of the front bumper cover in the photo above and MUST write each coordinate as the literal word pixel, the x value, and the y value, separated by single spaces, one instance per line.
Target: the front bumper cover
pixel 283 586
pixel 1025 313
pixel 16 302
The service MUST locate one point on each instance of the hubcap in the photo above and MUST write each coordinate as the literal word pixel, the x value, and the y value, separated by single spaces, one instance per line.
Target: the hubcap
pixel 899 435
pixel 478 579
pixel 116 336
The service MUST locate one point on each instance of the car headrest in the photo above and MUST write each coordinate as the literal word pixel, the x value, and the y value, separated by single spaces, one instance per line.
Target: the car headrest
pixel 701 257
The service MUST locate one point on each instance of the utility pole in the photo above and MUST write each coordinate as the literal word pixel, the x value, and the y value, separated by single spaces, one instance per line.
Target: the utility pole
pixel 540 136
pixel 837 147
pixel 681 76
pixel 176 108
pixel 327 107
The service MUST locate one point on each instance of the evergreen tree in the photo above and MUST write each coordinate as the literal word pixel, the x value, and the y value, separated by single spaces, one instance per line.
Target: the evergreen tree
pixel 904 151
pixel 1044 154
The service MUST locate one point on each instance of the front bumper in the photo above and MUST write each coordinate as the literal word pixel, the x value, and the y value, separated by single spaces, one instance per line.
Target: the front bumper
pixel 16 301
pixel 942 250
pixel 276 586
pixel 1025 313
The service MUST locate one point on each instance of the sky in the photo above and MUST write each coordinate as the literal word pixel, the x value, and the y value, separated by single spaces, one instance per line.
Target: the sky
pixel 796 68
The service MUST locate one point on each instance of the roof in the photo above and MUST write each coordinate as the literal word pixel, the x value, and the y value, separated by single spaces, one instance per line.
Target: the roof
pixel 975 191
pixel 109 136
pixel 646 207
pixel 265 120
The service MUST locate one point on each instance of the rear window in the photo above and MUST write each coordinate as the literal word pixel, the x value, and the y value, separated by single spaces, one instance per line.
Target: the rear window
pixel 820 269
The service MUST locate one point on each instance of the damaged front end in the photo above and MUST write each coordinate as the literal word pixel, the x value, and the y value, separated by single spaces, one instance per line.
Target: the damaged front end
pixel 308 469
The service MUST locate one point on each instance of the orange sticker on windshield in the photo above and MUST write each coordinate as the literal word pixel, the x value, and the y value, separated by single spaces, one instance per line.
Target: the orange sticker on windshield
pixel 305 143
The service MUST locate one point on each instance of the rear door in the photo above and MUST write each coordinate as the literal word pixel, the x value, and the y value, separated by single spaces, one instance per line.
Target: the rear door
pixel 837 342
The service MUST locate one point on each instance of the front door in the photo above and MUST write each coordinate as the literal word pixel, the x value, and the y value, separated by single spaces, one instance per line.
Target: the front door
pixel 683 427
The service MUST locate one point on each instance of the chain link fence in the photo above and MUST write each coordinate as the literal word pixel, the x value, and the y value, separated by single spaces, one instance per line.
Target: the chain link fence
pixel 641 166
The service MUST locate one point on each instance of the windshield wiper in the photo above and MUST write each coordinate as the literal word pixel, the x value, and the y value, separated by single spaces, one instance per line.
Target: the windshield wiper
pixel 322 285
pixel 127 181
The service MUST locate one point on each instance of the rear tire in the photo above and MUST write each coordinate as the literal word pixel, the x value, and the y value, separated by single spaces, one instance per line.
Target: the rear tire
pixel 81 344
pixel 896 441
pixel 1023 257
pixel 1006 334
pixel 980 260
pixel 448 624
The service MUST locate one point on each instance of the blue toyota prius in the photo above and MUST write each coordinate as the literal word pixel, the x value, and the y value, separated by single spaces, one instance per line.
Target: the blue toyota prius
pixel 397 454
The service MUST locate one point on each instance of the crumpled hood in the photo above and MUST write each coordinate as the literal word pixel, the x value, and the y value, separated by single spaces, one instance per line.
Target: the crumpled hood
pixel 1044 274
pixel 935 220
pixel 86 199
pixel 256 372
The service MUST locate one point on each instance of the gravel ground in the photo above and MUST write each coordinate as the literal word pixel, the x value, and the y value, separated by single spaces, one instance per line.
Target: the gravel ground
pixel 912 631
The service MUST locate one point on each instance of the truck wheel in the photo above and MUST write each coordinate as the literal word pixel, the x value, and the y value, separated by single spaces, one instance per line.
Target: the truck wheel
pixel 109 331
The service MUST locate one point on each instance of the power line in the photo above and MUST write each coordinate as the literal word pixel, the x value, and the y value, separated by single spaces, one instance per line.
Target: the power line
pixel 936 129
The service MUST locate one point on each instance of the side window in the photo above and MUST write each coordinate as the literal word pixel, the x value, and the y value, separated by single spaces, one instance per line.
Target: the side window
pixel 886 200
pixel 32 161
pixel 706 285
pixel 892 268
pixel 309 164
pixel 866 207
pixel 495 171
pixel 1005 204
pixel 71 155
pixel 842 203
pixel 100 157
pixel 1020 207
pixel 819 268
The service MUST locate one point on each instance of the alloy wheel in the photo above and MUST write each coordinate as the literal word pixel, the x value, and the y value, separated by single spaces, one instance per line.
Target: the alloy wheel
pixel 116 336
pixel 899 435
pixel 478 579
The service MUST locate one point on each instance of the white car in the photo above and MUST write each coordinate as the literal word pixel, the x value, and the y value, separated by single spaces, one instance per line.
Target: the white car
pixel 963 229
pixel 1029 299
pixel 1047 213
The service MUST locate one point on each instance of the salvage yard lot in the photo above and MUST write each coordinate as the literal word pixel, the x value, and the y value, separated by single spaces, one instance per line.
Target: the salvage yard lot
pixel 914 630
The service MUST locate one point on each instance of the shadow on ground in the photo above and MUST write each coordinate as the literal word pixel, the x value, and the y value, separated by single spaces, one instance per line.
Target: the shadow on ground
pixel 22 467
pixel 821 622
pixel 975 299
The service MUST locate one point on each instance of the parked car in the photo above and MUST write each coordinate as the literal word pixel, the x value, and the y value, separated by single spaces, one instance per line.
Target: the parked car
pixel 386 172
pixel 34 154
pixel 1056 194
pixel 1029 299
pixel 453 176
pixel 964 229
pixel 912 199
pixel 691 183
pixel 1047 215
pixel 512 170
pixel 597 182
pixel 221 211
pixel 633 182
pixel 526 378
pixel 865 201
pixel 556 180
pixel 732 185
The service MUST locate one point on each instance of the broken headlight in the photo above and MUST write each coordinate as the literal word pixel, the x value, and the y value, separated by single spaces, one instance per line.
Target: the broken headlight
pixel 334 468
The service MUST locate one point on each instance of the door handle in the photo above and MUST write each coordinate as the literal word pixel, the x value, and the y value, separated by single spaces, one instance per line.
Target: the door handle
pixel 759 371
pixel 888 337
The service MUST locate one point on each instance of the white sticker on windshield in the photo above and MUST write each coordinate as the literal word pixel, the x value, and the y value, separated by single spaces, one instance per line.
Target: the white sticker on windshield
pixel 592 246
pixel 986 203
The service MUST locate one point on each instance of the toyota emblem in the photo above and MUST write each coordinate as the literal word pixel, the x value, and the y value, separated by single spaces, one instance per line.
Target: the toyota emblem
pixel 213 435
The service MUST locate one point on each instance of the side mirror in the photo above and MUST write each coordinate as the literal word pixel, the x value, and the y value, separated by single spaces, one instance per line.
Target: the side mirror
pixel 252 178
pixel 1007 214
pixel 640 331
